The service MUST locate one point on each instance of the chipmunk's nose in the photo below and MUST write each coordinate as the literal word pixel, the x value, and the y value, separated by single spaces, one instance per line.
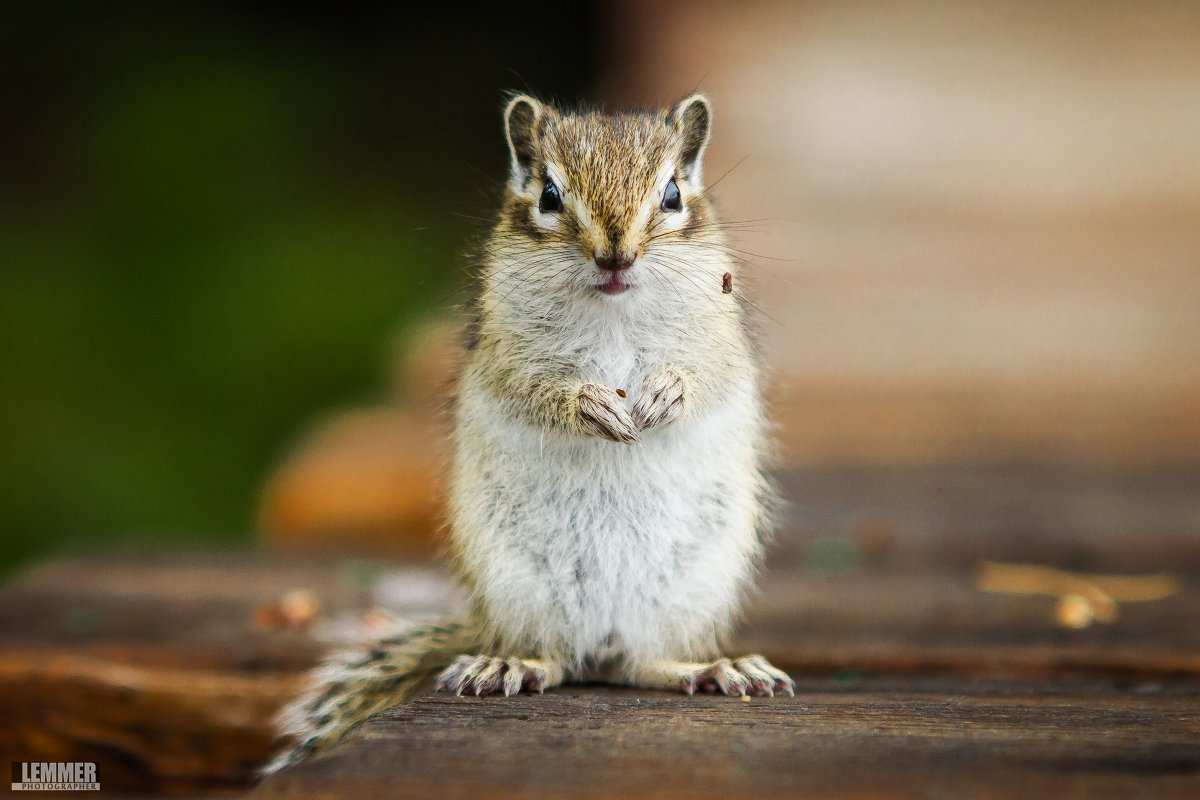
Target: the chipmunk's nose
pixel 613 263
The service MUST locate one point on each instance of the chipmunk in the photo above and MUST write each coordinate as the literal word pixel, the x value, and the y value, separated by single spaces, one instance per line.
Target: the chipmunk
pixel 606 495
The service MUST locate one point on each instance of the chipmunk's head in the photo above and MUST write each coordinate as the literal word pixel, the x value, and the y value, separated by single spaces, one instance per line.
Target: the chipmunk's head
pixel 609 205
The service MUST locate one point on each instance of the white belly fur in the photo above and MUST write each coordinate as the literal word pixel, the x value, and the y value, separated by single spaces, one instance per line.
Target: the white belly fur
pixel 590 549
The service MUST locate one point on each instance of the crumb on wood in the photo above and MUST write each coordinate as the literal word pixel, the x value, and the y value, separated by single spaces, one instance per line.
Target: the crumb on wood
pixel 296 609
pixel 1082 598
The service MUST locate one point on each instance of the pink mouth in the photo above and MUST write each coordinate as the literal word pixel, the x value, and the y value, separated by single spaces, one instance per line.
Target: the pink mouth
pixel 613 285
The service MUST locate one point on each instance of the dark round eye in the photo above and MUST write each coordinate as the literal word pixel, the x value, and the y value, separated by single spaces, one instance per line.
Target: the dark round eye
pixel 550 200
pixel 671 200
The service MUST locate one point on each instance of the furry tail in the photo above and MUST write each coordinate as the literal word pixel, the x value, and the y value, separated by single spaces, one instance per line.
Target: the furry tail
pixel 351 686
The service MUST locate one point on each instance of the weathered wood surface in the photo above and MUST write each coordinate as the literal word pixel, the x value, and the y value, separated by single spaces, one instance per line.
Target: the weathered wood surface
pixel 153 668
pixel 951 738
pixel 910 677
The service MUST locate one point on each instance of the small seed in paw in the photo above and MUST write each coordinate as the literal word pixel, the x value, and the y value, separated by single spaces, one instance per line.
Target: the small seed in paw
pixel 620 392
pixel 727 282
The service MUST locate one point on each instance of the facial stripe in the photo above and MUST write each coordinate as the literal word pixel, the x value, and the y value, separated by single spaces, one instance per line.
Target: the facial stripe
pixel 611 173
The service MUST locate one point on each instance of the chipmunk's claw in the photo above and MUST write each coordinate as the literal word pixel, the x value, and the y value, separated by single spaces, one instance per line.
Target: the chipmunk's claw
pixel 764 677
pixel 483 675
pixel 751 675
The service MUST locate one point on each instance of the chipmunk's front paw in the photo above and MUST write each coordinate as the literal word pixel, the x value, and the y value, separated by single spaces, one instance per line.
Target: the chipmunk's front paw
pixel 485 675
pixel 660 401
pixel 602 413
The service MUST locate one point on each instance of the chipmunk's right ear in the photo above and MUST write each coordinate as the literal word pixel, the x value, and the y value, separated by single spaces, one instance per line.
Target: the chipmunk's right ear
pixel 521 117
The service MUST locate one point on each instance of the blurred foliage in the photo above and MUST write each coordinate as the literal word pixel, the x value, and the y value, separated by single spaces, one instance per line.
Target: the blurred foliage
pixel 213 222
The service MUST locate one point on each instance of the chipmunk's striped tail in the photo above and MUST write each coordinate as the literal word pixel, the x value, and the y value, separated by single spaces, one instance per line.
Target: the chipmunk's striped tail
pixel 351 686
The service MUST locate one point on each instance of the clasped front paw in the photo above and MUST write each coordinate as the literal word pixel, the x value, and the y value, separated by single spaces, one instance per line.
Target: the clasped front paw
pixel 602 413
pixel 660 401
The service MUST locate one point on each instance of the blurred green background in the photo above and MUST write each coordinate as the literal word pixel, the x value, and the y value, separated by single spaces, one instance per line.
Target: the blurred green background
pixel 214 222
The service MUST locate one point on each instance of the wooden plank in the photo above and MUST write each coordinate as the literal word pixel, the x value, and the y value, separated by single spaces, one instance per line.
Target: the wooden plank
pixel 942 738
pixel 156 666
pixel 178 687
pixel 83 667
pixel 153 667
pixel 900 620
pixel 149 728
pixel 1087 516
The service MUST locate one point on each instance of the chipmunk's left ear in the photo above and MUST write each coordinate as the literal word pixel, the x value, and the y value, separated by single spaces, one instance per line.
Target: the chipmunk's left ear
pixel 693 117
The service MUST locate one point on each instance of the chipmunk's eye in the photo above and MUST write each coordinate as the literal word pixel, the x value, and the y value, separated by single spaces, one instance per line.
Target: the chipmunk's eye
pixel 671 200
pixel 550 200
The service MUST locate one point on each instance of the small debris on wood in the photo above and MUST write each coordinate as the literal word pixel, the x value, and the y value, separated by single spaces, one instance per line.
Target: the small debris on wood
pixel 1074 611
pixel 296 609
pixel 267 616
pixel 1082 599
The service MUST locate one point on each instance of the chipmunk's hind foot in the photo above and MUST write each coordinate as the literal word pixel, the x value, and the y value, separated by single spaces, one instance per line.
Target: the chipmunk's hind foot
pixel 482 675
pixel 751 675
